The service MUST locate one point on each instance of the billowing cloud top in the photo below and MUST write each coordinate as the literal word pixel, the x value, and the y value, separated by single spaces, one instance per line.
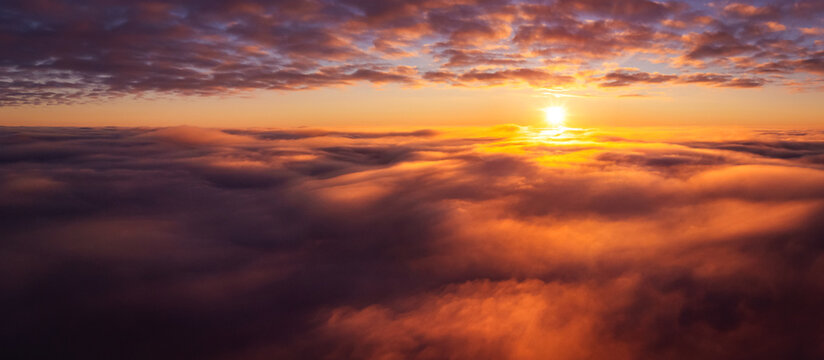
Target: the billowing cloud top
pixel 512 243
pixel 58 51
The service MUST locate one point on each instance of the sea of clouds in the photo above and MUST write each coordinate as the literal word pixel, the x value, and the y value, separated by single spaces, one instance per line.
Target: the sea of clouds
pixel 503 243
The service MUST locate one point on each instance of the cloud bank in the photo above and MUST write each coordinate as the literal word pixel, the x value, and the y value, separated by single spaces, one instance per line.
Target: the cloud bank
pixel 60 51
pixel 504 243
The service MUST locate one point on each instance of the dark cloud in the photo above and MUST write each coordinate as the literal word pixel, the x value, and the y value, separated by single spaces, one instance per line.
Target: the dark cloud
pixel 773 149
pixel 580 40
pixel 745 83
pixel 625 78
pixel 717 44
pixel 58 51
pixel 622 78
pixel 461 58
pixel 533 77
pixel 630 9
pixel 310 243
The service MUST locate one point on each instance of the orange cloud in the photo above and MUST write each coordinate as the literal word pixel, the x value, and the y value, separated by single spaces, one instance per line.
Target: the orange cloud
pixel 190 48
pixel 511 242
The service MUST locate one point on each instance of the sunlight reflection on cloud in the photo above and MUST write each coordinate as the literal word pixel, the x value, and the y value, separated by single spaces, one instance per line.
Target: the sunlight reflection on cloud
pixel 508 242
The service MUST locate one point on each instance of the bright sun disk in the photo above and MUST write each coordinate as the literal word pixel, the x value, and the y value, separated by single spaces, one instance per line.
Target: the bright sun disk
pixel 555 116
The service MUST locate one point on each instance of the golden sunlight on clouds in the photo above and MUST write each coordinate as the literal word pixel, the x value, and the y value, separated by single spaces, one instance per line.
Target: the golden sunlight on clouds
pixel 496 242
pixel 555 116
pixel 412 179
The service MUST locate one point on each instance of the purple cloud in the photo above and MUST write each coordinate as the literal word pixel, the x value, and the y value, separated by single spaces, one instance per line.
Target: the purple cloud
pixel 58 51
pixel 290 244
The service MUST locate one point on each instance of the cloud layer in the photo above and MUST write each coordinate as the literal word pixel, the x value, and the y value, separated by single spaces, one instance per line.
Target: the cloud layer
pixel 59 51
pixel 504 243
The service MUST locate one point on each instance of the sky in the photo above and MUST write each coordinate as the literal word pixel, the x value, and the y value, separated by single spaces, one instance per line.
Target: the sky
pixel 363 63
pixel 422 179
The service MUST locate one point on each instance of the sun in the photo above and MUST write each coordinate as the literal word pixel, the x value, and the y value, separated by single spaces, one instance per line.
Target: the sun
pixel 555 116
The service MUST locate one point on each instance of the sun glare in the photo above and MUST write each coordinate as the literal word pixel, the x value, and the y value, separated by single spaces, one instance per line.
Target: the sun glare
pixel 555 116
